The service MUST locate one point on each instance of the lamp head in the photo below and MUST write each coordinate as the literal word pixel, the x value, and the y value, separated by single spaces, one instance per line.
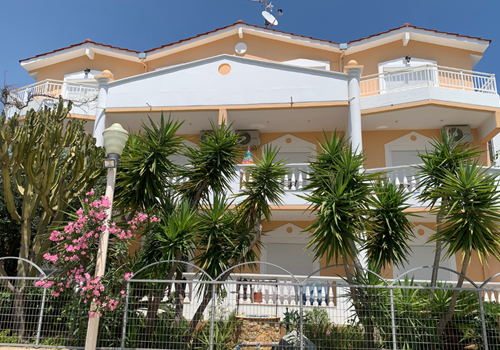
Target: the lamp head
pixel 115 138
pixel 86 71
pixel 408 58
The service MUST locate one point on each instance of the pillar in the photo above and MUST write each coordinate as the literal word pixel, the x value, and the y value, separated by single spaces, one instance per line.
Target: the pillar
pixel 100 113
pixel 354 130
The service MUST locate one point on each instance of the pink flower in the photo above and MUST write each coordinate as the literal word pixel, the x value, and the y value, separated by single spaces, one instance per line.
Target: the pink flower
pixel 55 294
pixel 128 275
pixel 42 282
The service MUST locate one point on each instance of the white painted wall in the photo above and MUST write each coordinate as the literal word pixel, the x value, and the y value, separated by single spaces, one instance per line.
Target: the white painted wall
pixel 249 82
pixel 430 93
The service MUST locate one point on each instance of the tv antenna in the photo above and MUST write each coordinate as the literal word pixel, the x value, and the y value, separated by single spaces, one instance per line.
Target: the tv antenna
pixel 269 19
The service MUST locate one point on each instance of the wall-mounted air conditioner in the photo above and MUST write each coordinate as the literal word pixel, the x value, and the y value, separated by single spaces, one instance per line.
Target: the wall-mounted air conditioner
pixel 461 132
pixel 249 137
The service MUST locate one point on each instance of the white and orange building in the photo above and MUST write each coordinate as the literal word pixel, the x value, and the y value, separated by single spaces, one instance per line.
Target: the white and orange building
pixel 391 93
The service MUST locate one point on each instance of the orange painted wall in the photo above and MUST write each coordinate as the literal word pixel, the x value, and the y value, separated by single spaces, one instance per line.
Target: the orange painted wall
pixel 258 48
pixel 443 55
pixel 120 68
pixel 374 142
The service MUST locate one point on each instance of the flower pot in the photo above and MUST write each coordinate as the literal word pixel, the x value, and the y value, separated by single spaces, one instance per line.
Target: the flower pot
pixel 257 297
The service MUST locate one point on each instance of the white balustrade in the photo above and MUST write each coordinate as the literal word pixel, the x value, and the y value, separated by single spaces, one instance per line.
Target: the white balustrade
pixel 428 75
pixel 294 180
pixel 35 94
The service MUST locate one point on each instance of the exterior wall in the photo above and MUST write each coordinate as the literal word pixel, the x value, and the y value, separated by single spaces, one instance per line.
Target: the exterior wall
pixel 443 55
pixel 120 68
pixel 374 142
pixel 258 48
pixel 249 81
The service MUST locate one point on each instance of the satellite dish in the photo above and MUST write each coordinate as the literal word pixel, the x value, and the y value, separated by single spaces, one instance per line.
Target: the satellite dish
pixel 270 19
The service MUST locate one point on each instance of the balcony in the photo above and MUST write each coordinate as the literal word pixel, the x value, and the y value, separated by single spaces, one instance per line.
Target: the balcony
pixel 47 92
pixel 404 176
pixel 428 82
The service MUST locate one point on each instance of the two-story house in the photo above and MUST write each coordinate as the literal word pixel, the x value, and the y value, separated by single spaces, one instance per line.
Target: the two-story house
pixel 391 93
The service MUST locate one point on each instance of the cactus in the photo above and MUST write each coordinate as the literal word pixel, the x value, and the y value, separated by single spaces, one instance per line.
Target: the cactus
pixel 50 160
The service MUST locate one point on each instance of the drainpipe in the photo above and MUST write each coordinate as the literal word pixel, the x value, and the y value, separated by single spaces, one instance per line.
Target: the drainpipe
pixel 142 57
pixel 342 47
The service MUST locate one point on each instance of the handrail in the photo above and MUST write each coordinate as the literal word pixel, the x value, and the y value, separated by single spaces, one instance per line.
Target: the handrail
pixel 428 75
pixel 53 81
pixel 412 69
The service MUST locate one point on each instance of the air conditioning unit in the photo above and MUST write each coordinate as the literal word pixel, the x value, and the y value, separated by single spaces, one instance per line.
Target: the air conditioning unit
pixel 249 137
pixel 203 134
pixel 462 132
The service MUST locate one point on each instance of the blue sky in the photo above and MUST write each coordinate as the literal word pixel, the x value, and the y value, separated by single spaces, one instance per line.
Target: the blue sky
pixel 31 27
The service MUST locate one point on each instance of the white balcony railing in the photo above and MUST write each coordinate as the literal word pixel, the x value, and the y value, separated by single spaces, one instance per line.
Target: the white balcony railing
pixel 295 180
pixel 427 75
pixel 38 94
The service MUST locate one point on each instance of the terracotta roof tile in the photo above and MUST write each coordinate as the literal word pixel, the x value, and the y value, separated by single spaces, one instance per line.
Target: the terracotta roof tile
pixel 255 26
pixel 232 25
pixel 415 27
pixel 87 41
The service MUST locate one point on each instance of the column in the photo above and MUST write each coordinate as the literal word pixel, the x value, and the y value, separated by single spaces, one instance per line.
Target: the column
pixel 100 113
pixel 354 130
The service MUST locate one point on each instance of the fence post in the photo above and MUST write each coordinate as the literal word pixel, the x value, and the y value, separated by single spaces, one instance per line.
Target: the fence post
pixel 393 320
pixel 124 329
pixel 212 318
pixel 301 310
pixel 40 317
pixel 483 322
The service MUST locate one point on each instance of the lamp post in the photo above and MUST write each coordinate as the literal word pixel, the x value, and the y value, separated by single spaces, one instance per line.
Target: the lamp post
pixel 115 138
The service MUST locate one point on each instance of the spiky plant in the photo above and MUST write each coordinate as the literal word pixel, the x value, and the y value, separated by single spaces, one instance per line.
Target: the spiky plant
pixel 470 220
pixel 211 166
pixel 445 156
pixel 339 192
pixel 387 240
pixel 145 172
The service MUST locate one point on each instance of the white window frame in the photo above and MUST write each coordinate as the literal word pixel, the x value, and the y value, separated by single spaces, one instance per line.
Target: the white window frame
pixel 405 143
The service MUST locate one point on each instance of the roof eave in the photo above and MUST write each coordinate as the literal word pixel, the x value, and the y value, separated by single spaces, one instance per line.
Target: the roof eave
pixel 234 29
pixel 422 35
pixel 76 51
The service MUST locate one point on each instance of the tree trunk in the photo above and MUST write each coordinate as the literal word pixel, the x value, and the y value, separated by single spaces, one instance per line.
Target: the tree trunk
pixel 358 307
pixel 437 254
pixel 199 312
pixel 180 289
pixel 19 310
pixel 451 309
pixel 154 300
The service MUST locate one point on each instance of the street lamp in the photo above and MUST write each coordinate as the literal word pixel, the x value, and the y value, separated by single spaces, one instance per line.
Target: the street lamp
pixel 115 138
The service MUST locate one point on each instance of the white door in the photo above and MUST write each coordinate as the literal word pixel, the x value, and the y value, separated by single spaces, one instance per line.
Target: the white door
pixel 294 157
pixel 292 257
pixel 424 256
pixel 405 157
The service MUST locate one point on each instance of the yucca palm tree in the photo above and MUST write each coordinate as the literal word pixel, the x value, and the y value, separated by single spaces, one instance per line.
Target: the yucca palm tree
pixel 145 173
pixel 471 216
pixel 339 192
pixel 212 166
pixel 353 212
pixel 262 190
pixel 172 239
pixel 446 156
pixel 387 240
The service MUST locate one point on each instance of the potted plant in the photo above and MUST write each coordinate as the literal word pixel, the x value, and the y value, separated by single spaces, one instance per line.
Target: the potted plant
pixel 257 295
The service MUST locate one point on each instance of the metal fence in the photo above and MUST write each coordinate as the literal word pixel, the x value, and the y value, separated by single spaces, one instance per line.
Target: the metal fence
pixel 254 313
